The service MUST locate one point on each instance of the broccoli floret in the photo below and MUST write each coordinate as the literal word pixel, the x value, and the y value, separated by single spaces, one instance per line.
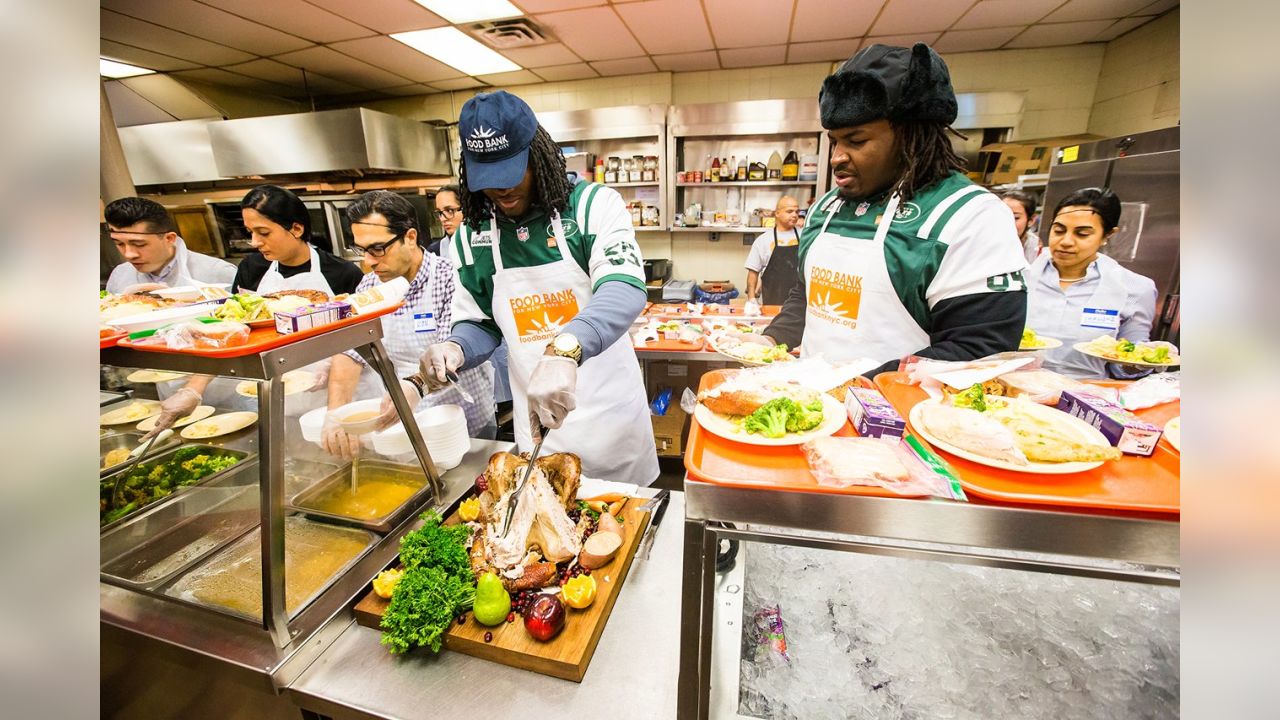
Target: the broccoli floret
pixel 973 398
pixel 805 419
pixel 770 420
pixel 1156 355
pixel 1125 345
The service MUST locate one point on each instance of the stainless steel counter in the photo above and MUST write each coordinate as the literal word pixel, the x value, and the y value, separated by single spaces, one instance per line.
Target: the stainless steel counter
pixel 632 675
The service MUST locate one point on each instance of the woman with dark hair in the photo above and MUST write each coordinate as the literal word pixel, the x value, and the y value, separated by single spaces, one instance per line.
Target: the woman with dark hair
pixel 448 202
pixel 280 228
pixel 1077 293
pixel 1023 206
pixel 906 256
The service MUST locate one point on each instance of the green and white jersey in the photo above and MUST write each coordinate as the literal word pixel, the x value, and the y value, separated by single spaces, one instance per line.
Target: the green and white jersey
pixel 953 238
pixel 598 232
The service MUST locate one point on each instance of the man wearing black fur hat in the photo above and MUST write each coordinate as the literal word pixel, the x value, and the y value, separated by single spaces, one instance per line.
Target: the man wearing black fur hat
pixel 906 256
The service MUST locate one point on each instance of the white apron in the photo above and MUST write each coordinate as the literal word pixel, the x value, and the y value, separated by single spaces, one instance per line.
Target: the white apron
pixel 1052 314
pixel 312 279
pixel 610 428
pixel 852 309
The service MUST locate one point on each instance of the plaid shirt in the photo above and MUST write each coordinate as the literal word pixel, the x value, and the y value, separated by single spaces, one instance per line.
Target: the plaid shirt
pixel 431 291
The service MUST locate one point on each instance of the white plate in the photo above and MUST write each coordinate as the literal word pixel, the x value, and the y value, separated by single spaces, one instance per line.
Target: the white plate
pixel 219 425
pixel 712 341
pixel 295 381
pixel 182 293
pixel 1083 348
pixel 160 318
pixel 1173 433
pixel 201 412
pixel 833 418
pixel 128 413
pixel 1072 426
pixel 153 376
pixel 1048 344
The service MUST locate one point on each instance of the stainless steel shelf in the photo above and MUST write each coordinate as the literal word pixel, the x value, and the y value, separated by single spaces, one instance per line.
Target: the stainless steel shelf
pixel 652 228
pixel 749 183
pixel 734 229
pixel 630 184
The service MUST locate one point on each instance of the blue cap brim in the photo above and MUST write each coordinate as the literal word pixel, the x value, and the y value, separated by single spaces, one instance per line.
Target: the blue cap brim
pixel 497 175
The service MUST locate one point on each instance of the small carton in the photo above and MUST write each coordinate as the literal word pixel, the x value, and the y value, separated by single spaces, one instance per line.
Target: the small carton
pixel 872 415
pixel 1122 428
pixel 310 316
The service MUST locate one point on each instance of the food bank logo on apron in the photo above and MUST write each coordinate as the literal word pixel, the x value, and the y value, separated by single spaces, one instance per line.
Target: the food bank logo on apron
pixel 834 296
pixel 540 316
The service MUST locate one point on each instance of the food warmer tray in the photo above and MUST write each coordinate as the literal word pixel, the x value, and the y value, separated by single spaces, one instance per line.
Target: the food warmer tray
pixel 246 459
pixel 305 501
pixel 129 439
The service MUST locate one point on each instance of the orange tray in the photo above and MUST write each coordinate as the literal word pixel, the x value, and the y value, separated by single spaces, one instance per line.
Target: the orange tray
pixel 665 345
pixel 110 340
pixel 1146 484
pixel 713 459
pixel 708 309
pixel 263 339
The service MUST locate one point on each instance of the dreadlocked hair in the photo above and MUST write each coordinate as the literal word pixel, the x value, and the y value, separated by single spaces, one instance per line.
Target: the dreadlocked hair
pixel 551 186
pixel 927 156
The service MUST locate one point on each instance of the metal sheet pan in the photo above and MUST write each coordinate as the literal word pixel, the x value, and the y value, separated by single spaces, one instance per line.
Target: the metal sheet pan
pixel 306 501
pixel 245 457
pixel 129 439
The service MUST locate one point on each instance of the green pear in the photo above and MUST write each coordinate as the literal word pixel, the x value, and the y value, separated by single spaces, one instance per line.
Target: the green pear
pixel 493 602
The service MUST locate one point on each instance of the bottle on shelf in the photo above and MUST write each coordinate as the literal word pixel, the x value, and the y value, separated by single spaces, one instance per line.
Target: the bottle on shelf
pixel 599 178
pixel 730 171
pixel 706 170
pixel 714 173
pixel 790 166
pixel 809 167
pixel 774 166
pixel 726 171
pixel 757 171
pixel 742 169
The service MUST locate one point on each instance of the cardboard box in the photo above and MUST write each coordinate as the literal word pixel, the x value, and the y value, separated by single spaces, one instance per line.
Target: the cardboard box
pixel 1122 428
pixel 669 430
pixel 1004 162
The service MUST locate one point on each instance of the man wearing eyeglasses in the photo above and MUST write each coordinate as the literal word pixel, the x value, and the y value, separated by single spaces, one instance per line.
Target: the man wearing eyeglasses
pixel 385 229
pixel 155 256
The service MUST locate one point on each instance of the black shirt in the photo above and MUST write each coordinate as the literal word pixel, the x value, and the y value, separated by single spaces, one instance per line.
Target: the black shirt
pixel 342 275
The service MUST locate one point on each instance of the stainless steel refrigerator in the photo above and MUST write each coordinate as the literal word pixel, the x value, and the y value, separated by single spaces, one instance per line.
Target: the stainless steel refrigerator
pixel 1143 169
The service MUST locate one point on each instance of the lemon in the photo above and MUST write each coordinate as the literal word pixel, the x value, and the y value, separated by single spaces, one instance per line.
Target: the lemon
pixel 469 510
pixel 579 592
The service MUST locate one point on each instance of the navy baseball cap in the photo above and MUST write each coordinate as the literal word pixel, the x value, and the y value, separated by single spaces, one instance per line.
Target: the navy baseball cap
pixel 497 129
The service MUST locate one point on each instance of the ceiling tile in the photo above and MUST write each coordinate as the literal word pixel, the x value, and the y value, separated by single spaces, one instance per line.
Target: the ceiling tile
pixel 901 40
pixel 1049 35
pixel 819 51
pixel 687 62
pixel 301 18
pixel 900 17
pixel 754 56
pixel 1005 13
pixel 1124 25
pixel 957 41
pixel 541 55
pixel 559 73
pixel 519 77
pixel 667 26
pixel 593 33
pixel 396 57
pixel 385 16
pixel 282 74
pixel 129 108
pixel 209 23
pixel 341 67
pixel 465 83
pixel 748 23
pixel 629 66
pixel 832 19
pixel 141 58
pixel 1078 10
pixel 409 90
pixel 542 6
pixel 236 80
pixel 148 36
pixel 1158 7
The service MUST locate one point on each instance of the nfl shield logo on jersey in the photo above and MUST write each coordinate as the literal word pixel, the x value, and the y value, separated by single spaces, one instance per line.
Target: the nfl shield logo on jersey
pixel 522 234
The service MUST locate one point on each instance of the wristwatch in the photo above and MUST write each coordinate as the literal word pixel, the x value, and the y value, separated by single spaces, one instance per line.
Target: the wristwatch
pixel 418 382
pixel 566 345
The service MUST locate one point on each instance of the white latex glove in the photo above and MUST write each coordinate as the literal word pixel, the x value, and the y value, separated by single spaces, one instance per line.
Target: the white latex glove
pixel 387 415
pixel 751 307
pixel 178 405
pixel 336 441
pixel 322 377
pixel 551 390
pixel 142 287
pixel 439 359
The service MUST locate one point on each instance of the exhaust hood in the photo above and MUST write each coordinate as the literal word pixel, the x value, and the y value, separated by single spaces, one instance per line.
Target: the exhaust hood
pixel 352 142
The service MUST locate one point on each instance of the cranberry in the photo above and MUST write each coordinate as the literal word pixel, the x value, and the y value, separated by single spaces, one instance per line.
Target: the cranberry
pixel 511 617
pixel 488 637
pixel 462 619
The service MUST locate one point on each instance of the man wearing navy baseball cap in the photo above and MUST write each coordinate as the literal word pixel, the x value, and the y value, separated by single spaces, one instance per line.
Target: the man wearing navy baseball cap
pixel 553 269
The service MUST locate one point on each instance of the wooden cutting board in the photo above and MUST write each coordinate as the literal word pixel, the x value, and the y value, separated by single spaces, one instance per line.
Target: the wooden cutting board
pixel 566 655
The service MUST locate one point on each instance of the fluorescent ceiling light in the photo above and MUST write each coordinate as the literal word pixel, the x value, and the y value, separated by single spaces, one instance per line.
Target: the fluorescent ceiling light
pixel 456 49
pixel 465 11
pixel 113 69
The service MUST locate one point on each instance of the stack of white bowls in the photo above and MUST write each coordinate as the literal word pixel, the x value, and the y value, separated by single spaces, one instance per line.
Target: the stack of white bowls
pixel 444 430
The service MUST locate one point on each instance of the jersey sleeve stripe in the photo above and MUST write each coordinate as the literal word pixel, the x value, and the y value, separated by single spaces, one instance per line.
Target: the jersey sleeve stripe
pixel 934 217
pixel 464 244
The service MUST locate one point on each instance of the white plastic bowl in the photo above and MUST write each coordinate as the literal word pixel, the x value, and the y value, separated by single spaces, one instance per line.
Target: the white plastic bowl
pixel 160 318
pixel 312 423
pixel 358 427
pixel 441 419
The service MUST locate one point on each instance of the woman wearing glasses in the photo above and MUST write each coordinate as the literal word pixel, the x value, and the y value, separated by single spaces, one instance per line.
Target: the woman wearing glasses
pixel 385 229
pixel 449 212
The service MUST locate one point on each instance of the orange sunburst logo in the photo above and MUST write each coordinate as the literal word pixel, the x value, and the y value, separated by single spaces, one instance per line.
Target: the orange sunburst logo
pixel 540 316
pixel 835 296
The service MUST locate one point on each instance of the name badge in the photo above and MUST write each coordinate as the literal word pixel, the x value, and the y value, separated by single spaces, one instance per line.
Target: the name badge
pixel 424 323
pixel 1100 318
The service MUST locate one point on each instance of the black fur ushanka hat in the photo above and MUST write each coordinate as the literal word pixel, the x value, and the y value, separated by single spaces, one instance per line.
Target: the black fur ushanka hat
pixel 883 81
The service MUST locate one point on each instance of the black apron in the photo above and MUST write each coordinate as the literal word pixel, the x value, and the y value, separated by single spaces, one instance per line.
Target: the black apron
pixel 781 273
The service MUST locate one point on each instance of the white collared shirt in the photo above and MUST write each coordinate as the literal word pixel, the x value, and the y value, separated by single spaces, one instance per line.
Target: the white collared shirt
pixel 198 267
